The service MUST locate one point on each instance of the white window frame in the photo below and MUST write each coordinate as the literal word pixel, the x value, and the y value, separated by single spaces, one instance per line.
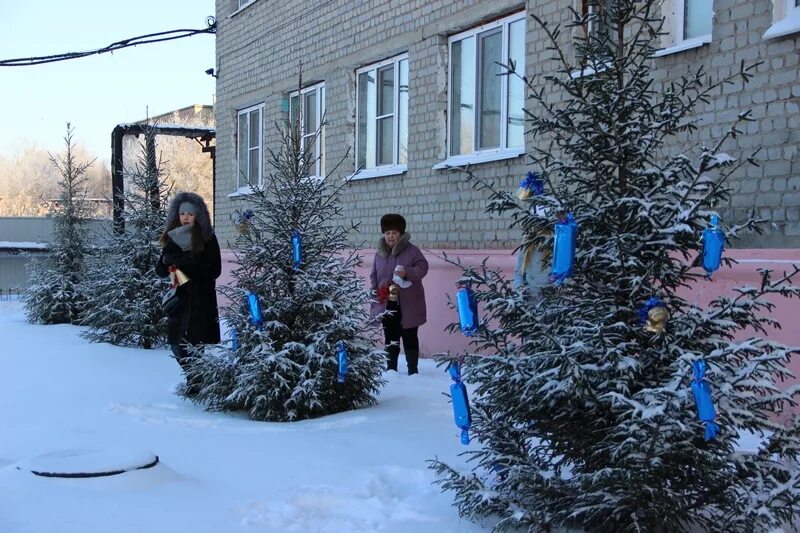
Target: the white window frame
pixel 486 154
pixel 785 19
pixel 319 149
pixel 395 167
pixel 675 21
pixel 241 5
pixel 245 188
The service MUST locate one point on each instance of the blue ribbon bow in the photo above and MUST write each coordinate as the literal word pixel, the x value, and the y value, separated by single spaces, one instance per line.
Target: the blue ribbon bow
pixel 533 183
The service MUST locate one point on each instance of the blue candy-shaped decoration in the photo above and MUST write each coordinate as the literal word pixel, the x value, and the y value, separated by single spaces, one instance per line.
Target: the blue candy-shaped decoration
pixel 234 339
pixel 255 309
pixel 297 249
pixel 341 354
pixel 564 243
pixel 702 397
pixel 458 393
pixel 467 311
pixel 530 184
pixel 713 245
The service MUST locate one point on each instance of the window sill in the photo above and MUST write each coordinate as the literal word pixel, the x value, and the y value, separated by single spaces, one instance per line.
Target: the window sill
pixel 790 24
pixel 480 157
pixel 248 4
pixel 688 44
pixel 377 172
pixel 242 192
pixel 589 71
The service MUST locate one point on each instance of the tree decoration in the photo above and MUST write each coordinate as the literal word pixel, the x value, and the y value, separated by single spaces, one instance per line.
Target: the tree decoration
pixel 458 394
pixel 654 315
pixel 297 250
pixel 564 243
pixel 234 339
pixel 467 311
pixel 702 397
pixel 341 355
pixel 243 221
pixel 713 245
pixel 531 184
pixel 255 310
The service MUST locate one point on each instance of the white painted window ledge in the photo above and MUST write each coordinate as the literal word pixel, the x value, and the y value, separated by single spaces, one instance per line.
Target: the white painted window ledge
pixel 377 172
pixel 480 157
pixel 688 44
pixel 787 26
pixel 242 191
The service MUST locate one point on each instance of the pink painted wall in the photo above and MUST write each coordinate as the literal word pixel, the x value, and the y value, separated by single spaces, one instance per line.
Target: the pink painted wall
pixel 441 278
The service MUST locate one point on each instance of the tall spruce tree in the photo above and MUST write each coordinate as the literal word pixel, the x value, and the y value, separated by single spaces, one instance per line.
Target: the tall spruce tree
pixel 123 290
pixel 54 295
pixel 285 367
pixel 581 417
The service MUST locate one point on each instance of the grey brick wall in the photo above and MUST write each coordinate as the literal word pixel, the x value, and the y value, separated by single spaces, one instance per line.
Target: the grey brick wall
pixel 259 52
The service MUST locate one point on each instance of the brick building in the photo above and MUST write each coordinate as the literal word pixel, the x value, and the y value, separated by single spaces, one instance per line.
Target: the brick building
pixel 389 74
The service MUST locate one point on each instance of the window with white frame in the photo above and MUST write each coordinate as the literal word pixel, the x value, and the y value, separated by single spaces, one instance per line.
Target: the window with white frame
pixel 687 24
pixel 308 107
pixel 785 19
pixel 382 114
pixel 599 24
pixel 249 147
pixel 485 107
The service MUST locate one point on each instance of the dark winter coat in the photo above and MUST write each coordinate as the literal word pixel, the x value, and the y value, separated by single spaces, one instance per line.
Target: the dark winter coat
pixel 199 324
pixel 412 299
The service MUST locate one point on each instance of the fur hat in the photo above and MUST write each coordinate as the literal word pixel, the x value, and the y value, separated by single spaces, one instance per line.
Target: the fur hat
pixel 202 217
pixel 393 221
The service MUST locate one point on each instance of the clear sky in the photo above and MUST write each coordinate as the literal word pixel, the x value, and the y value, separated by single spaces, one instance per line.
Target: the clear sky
pixel 96 93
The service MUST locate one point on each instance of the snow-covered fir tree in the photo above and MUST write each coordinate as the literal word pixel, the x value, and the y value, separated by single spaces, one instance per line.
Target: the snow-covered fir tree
pixel 54 295
pixel 285 367
pixel 582 418
pixel 123 290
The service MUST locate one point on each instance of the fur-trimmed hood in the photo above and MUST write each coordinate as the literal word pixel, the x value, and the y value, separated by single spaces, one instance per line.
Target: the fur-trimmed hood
pixel 203 218
pixel 402 244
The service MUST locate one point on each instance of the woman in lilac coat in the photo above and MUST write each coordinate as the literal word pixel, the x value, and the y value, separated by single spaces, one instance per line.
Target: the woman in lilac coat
pixel 396 278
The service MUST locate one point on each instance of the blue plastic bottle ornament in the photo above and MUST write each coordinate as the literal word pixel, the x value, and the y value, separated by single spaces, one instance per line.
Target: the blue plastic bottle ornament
pixel 564 242
pixel 297 249
pixel 255 309
pixel 234 339
pixel 702 397
pixel 467 311
pixel 713 244
pixel 458 393
pixel 530 184
pixel 341 353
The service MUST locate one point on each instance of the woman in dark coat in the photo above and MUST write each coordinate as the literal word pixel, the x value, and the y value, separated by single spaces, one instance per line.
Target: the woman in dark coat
pixel 189 244
pixel 396 277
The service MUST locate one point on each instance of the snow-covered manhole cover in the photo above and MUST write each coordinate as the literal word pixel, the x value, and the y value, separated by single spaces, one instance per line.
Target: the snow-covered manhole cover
pixel 88 463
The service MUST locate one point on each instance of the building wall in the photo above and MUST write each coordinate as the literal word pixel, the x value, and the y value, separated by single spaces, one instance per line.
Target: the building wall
pixel 259 56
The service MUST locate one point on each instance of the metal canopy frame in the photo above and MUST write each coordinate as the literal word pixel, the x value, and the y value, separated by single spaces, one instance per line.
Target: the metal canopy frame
pixel 203 136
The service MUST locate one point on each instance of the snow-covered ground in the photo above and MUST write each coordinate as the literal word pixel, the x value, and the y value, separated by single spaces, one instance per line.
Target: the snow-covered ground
pixel 69 405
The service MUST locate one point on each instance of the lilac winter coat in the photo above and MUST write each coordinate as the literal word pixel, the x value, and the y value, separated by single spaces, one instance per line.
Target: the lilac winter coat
pixel 412 299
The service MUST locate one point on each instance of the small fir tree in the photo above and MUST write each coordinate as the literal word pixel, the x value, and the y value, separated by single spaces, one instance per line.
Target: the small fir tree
pixel 581 417
pixel 54 293
pixel 285 367
pixel 123 290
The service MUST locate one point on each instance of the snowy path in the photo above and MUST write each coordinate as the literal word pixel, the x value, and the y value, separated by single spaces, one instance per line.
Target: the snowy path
pixel 358 471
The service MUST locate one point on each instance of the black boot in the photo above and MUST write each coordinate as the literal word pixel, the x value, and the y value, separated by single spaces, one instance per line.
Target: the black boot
pixel 393 351
pixel 412 359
